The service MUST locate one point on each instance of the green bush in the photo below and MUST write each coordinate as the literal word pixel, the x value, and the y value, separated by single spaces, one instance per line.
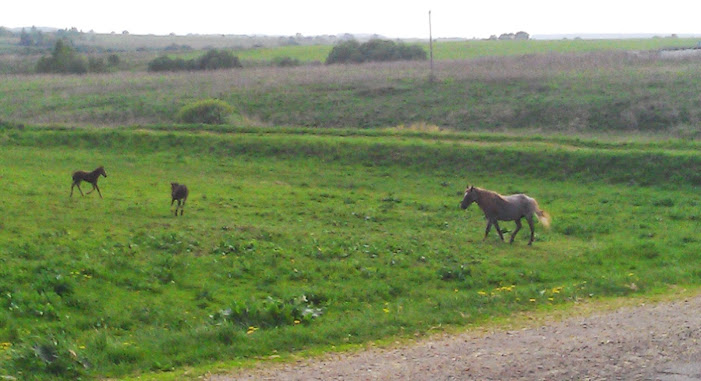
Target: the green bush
pixel 207 111
pixel 374 51
pixel 63 59
pixel 212 60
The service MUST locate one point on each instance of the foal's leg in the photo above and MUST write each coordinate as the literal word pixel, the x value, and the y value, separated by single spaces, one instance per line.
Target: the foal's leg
pixel 518 227
pixel 77 185
pixel 496 225
pixel 530 225
pixel 182 208
pixel 98 189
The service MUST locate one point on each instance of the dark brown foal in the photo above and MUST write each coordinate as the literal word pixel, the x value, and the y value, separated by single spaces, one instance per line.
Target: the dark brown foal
pixel 178 192
pixel 90 177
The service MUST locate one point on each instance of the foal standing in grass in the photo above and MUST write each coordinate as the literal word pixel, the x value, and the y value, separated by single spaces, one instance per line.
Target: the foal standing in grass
pixel 505 208
pixel 178 192
pixel 90 177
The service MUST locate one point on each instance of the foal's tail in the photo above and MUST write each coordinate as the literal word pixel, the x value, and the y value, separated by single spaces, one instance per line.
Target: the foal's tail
pixel 543 216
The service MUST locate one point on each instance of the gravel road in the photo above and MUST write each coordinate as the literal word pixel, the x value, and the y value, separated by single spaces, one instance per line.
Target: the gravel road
pixel 654 341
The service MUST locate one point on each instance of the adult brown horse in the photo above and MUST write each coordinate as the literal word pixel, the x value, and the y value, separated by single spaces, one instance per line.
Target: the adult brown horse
pixel 90 177
pixel 505 208
pixel 178 193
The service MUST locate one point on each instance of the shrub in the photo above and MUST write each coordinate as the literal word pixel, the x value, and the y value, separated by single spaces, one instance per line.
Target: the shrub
pixel 218 59
pixel 212 60
pixel 285 62
pixel 208 111
pixel 63 59
pixel 374 50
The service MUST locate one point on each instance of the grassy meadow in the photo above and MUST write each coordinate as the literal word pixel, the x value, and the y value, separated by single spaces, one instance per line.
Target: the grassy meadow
pixel 600 92
pixel 296 241
pixel 324 215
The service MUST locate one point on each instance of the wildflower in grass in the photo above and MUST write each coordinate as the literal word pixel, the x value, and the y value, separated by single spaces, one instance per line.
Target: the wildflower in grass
pixel 251 329
pixel 532 300
pixel 482 293
pixel 297 322
pixel 5 346
pixel 556 290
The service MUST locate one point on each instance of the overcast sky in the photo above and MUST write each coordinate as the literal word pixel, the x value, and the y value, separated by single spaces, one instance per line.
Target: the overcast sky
pixel 402 19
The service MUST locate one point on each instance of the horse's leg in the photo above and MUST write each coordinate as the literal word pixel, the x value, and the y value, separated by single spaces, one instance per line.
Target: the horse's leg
pixel 496 225
pixel 518 227
pixel 176 208
pixel 78 185
pixel 72 186
pixel 486 231
pixel 182 208
pixel 98 190
pixel 530 225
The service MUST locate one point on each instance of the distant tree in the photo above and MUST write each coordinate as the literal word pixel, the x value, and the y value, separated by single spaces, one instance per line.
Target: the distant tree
pixel 212 60
pixel 285 62
pixel 4 32
pixel 63 59
pixel 522 36
pixel 113 60
pixel 217 59
pixel 345 52
pixel 32 38
pixel 373 51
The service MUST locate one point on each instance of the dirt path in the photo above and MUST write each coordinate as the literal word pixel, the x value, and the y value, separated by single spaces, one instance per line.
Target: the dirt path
pixel 647 342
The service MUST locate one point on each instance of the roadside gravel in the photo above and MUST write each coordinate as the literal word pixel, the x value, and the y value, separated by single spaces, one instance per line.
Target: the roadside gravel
pixel 659 341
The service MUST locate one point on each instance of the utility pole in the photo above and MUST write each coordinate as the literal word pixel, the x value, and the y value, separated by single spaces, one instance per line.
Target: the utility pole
pixel 431 77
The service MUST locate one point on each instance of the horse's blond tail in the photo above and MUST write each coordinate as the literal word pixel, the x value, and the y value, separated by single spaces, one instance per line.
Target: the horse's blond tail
pixel 543 217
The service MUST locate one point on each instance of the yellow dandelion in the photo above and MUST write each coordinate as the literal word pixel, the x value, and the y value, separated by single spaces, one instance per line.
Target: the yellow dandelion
pixel 482 293
pixel 532 300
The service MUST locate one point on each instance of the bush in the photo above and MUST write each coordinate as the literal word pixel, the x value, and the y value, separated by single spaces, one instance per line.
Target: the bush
pixel 285 62
pixel 212 60
pixel 373 51
pixel 218 59
pixel 63 59
pixel 208 111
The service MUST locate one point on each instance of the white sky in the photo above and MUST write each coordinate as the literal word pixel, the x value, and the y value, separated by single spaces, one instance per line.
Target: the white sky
pixel 408 18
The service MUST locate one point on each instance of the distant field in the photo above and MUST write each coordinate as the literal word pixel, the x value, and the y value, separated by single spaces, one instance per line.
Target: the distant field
pixel 295 241
pixel 584 93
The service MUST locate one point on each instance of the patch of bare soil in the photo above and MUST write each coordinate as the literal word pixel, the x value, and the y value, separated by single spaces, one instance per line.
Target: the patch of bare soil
pixel 660 341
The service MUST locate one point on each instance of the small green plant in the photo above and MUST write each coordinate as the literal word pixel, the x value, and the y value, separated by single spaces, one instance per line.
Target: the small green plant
pixel 207 111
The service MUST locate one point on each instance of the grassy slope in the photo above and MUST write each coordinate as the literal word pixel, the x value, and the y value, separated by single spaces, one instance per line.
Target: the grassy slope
pixel 597 92
pixel 365 227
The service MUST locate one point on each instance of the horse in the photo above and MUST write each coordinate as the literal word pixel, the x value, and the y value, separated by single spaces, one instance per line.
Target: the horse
pixel 90 177
pixel 505 208
pixel 178 192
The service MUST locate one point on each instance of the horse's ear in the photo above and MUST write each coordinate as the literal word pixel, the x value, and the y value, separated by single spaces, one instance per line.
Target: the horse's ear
pixel 472 187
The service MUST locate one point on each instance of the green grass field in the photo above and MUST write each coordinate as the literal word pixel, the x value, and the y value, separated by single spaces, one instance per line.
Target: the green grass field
pixel 294 241
pixel 325 215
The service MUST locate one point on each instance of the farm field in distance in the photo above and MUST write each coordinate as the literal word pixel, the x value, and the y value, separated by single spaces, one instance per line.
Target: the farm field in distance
pixel 323 215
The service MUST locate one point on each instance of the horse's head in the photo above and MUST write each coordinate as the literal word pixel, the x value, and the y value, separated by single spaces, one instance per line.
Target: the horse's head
pixel 174 186
pixel 469 198
pixel 101 171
